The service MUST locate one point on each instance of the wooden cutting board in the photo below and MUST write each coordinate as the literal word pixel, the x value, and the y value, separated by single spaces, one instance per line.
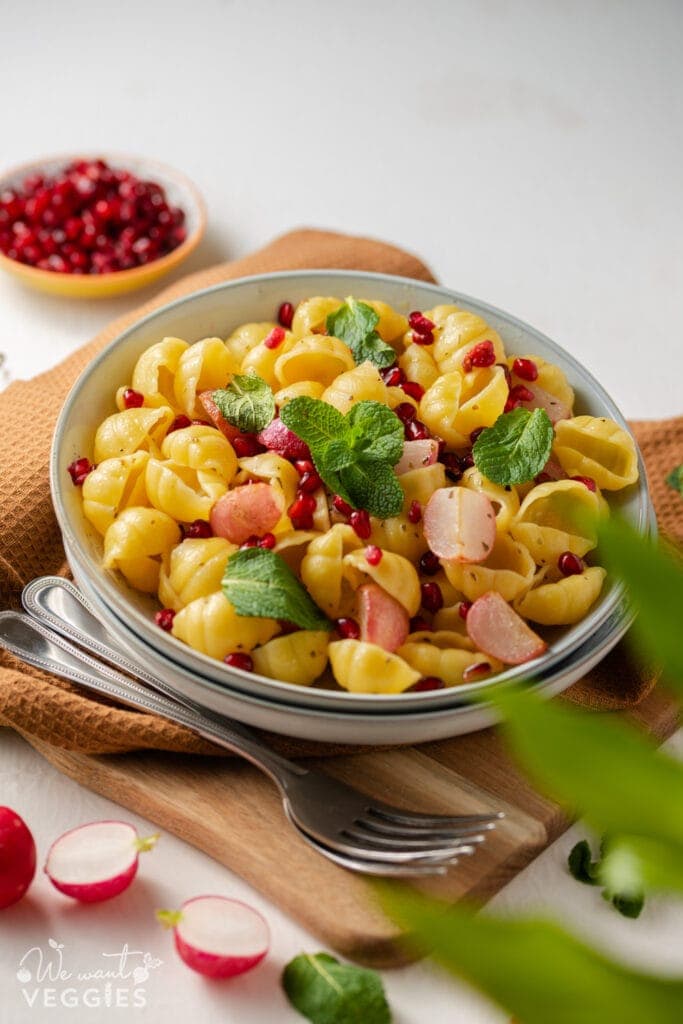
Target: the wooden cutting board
pixel 232 812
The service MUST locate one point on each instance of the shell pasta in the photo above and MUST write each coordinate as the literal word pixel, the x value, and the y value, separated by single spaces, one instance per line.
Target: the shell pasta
pixel 339 454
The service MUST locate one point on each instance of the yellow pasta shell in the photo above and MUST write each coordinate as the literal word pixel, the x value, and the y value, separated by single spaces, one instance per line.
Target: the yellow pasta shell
pixel 113 485
pixel 565 602
pixel 314 358
pixel 211 625
pixel 298 657
pixel 194 569
pixel 393 573
pixel 155 370
pixel 556 517
pixel 509 569
pixel 131 430
pixel 204 366
pixel 597 447
pixel 363 383
pixel 361 667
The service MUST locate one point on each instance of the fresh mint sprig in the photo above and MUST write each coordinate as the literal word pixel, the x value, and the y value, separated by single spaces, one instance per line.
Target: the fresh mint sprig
pixel 516 448
pixel 329 992
pixel 247 402
pixel 353 454
pixel 257 582
pixel 354 323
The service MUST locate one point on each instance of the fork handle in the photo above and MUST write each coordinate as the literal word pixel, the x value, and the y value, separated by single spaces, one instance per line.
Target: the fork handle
pixel 37 645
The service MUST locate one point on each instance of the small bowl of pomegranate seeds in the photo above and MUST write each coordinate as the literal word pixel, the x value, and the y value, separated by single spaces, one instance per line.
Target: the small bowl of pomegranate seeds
pixel 87 227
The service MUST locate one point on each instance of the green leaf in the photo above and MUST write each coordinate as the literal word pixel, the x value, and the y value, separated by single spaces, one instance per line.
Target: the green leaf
pixel 624 887
pixel 636 864
pixel 328 992
pixel 257 582
pixel 516 448
pixel 675 479
pixel 581 865
pixel 532 968
pixel 315 422
pixel 354 323
pixel 377 432
pixel 373 486
pixel 247 403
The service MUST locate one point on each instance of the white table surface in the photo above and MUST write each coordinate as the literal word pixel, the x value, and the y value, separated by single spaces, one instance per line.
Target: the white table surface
pixel 530 151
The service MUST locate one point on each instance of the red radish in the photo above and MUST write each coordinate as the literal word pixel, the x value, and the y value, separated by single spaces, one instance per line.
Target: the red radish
pixel 216 936
pixel 279 438
pixel 216 416
pixel 460 524
pixel 94 862
pixel 496 628
pixel 554 406
pixel 246 511
pixel 383 620
pixel 417 454
pixel 17 857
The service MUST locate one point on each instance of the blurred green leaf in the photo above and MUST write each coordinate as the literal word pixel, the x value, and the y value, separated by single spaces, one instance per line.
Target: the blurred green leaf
pixel 533 968
pixel 623 890
pixel 634 863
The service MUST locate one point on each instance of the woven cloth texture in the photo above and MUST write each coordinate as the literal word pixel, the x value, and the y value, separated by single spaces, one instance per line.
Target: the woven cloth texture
pixel 49 709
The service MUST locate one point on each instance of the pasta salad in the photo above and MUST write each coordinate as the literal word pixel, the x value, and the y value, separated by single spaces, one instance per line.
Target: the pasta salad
pixel 345 495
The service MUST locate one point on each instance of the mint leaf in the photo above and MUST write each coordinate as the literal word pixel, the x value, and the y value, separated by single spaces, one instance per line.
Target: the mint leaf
pixel 516 448
pixel 354 323
pixel 377 433
pixel 247 403
pixel 329 992
pixel 373 486
pixel 257 582
pixel 675 479
pixel 315 422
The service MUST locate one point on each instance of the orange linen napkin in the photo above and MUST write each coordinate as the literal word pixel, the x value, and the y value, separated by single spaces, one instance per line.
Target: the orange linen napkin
pixel 49 709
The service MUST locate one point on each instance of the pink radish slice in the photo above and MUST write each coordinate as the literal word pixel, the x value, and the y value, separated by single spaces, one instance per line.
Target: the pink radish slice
pixel 496 628
pixel 279 438
pixel 553 469
pixel 556 409
pixel 245 511
pixel 97 861
pixel 460 524
pixel 17 857
pixel 218 937
pixel 383 620
pixel 417 454
pixel 216 416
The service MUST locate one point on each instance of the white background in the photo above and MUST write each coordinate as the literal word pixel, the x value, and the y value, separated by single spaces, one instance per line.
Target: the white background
pixel 530 151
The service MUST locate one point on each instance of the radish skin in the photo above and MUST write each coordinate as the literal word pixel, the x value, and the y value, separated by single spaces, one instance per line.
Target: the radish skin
pixel 216 936
pixel 17 857
pixel 97 861
pixel 417 455
pixel 496 629
pixel 383 620
pixel 459 524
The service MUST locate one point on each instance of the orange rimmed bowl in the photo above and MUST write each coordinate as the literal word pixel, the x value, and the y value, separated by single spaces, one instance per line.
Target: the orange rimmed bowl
pixel 180 192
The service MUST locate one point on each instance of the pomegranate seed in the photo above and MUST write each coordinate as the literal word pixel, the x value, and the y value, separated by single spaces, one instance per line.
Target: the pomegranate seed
pixel 199 529
pixel 452 463
pixel 250 542
pixel 301 511
pixel 476 434
pixel 405 412
pixel 285 314
pixel 511 404
pixel 310 482
pixel 373 554
pixel 420 625
pixel 268 541
pixel 412 388
pixel 348 629
pixel 466 461
pixel 587 481
pixel 246 445
pixel 393 376
pixel 238 659
pixel 342 506
pixel 78 470
pixel 360 521
pixel 542 478
pixel 525 368
pixel 520 394
pixel 478 671
pixel 415 430
pixel 165 618
pixel 179 423
pixel 275 338
pixel 422 328
pixel 481 355
pixel 570 564
pixel 415 512
pixel 132 399
pixel 463 608
pixel 303 466
pixel 432 598
pixel 429 564
pixel 427 683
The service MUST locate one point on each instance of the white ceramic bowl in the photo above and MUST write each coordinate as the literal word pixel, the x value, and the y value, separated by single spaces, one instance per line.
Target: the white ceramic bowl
pixel 217 311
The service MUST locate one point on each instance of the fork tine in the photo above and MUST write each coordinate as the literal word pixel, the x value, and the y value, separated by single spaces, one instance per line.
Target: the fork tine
pixel 379 826
pixel 416 818
pixel 378 842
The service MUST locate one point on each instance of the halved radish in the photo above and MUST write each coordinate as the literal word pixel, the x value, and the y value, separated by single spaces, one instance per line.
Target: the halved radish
pixel 417 454
pixel 217 936
pixel 554 406
pixel 459 524
pixel 496 628
pixel 252 509
pixel 94 862
pixel 17 857
pixel 279 438
pixel 553 469
pixel 216 416
pixel 383 620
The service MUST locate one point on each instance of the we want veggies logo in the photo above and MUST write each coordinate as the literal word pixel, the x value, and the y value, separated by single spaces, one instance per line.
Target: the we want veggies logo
pixel 47 982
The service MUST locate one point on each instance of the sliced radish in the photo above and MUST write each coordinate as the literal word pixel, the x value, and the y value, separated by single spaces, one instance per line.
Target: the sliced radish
pixel 252 509
pixel 17 857
pixel 460 524
pixel 216 416
pixel 553 469
pixel 216 936
pixel 383 620
pixel 279 438
pixel 416 455
pixel 96 861
pixel 496 628
pixel 554 406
